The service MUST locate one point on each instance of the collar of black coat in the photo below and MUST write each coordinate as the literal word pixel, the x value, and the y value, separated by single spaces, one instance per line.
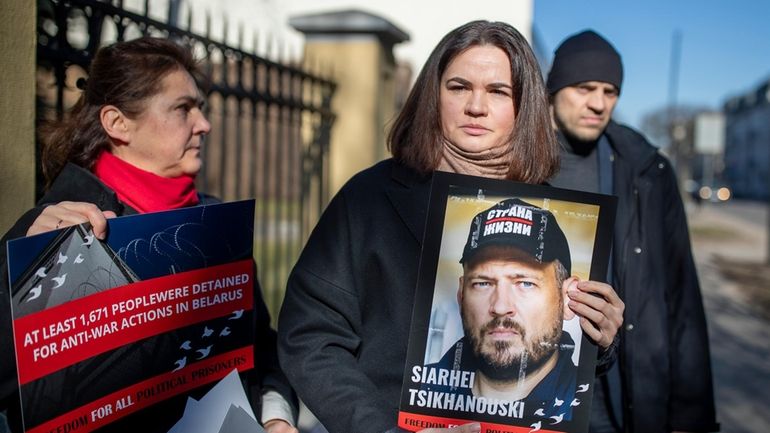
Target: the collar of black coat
pixel 630 145
pixel 75 183
pixel 409 194
pixel 407 176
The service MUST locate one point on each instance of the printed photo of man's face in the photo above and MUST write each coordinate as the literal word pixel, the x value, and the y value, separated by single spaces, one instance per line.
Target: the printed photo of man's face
pixel 512 309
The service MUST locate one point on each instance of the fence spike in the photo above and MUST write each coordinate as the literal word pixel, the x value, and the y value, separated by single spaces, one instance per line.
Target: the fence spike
pixel 284 55
pixel 319 66
pixel 208 25
pixel 174 13
pixel 297 54
pixel 289 52
pixel 331 71
pixel 269 47
pixel 292 59
pixel 240 35
pixel 225 25
pixel 300 56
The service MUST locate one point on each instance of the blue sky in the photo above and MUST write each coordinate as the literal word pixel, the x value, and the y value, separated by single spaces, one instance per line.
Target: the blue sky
pixel 725 46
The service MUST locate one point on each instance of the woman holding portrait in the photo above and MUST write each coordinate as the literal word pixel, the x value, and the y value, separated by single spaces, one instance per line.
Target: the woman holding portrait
pixel 478 107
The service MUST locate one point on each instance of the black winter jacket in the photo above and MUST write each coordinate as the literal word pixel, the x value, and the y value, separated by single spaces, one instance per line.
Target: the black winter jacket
pixel 344 325
pixel 78 184
pixel 664 353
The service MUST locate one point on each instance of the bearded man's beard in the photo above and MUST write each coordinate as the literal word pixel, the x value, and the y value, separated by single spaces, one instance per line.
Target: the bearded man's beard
pixel 503 365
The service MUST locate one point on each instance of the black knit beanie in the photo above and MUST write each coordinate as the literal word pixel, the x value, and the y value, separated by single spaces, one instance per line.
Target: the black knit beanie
pixel 585 56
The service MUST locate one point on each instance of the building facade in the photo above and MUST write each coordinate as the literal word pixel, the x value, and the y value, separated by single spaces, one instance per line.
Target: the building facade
pixel 747 143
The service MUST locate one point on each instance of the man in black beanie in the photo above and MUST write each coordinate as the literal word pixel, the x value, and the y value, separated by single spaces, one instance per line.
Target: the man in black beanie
pixel 662 382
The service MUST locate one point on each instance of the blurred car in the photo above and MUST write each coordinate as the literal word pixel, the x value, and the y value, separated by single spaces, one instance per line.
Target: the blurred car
pixel 713 193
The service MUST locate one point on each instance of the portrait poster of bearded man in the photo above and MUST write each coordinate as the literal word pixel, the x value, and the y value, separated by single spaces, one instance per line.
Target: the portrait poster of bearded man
pixel 482 362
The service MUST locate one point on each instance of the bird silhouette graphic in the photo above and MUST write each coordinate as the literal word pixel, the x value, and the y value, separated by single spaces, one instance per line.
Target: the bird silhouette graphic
pixel 225 332
pixel 540 412
pixel 35 292
pixel 207 332
pixel 40 273
pixel 535 427
pixel 557 418
pixel 62 259
pixel 180 363
pixel 236 315
pixel 204 352
pixel 89 240
pixel 575 402
pixel 59 281
pixel 79 259
pixel 557 402
pixel 185 345
pixel 582 388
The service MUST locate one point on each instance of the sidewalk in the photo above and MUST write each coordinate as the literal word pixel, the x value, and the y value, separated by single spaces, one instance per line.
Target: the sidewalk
pixel 730 247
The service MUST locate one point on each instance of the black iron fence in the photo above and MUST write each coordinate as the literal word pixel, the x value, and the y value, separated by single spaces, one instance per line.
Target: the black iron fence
pixel 271 121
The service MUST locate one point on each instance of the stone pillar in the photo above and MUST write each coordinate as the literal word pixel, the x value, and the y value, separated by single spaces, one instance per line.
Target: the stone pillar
pixel 17 109
pixel 358 49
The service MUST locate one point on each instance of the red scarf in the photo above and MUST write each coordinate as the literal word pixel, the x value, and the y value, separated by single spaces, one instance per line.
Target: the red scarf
pixel 142 190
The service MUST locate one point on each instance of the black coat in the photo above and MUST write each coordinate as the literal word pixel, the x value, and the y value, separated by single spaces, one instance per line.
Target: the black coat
pixel 344 325
pixel 78 184
pixel 664 354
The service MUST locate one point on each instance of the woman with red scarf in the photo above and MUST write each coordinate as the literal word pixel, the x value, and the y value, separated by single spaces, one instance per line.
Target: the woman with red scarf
pixel 131 145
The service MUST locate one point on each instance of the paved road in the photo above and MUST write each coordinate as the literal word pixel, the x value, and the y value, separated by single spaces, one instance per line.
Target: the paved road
pixel 728 237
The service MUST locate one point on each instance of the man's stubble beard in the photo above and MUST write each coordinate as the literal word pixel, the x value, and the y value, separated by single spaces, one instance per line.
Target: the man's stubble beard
pixel 503 366
pixel 579 139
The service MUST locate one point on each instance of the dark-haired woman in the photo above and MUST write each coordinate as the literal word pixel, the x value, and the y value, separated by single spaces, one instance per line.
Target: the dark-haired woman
pixel 132 145
pixel 477 107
